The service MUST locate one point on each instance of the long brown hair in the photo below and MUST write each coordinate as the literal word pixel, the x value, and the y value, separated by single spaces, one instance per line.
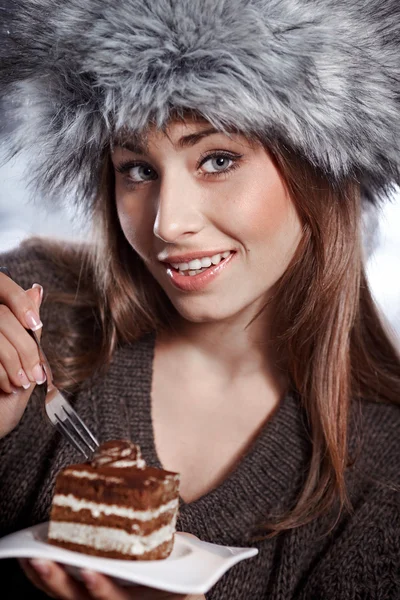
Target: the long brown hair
pixel 326 324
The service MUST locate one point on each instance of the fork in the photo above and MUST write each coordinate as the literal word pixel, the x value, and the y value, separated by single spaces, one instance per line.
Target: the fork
pixel 59 411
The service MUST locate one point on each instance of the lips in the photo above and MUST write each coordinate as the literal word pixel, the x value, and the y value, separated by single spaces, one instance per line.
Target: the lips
pixel 195 266
pixel 193 283
pixel 180 258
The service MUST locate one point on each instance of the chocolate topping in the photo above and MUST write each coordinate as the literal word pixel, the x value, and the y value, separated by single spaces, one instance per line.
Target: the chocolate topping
pixel 119 454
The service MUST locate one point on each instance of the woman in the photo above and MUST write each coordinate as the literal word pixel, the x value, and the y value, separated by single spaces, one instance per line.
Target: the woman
pixel 220 315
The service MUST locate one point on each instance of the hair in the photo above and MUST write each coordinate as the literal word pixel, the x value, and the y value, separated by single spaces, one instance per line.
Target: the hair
pixel 336 349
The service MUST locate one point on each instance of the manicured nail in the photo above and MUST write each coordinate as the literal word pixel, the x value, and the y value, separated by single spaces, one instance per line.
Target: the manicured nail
pixel 41 566
pixel 90 578
pixel 24 379
pixel 38 374
pixel 37 285
pixel 33 320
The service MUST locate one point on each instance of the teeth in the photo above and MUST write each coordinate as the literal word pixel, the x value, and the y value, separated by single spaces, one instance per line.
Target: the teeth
pixel 196 272
pixel 206 262
pixel 216 259
pixel 193 266
pixel 181 266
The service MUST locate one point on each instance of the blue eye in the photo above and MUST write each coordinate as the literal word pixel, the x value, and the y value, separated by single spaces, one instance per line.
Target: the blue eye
pixel 138 173
pixel 217 163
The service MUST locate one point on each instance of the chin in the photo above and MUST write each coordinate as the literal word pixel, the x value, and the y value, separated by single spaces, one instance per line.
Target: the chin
pixel 205 314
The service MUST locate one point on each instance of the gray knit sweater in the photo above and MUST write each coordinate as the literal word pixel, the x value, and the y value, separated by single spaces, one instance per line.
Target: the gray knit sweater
pixel 359 559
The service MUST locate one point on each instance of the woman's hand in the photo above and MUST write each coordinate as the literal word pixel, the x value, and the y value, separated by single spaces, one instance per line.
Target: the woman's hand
pixel 57 583
pixel 20 368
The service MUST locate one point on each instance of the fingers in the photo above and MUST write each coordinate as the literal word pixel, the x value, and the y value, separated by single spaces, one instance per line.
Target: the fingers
pixel 19 356
pixel 20 303
pixel 103 588
pixel 39 290
pixel 56 582
pixel 36 294
pixel 20 367
pixel 33 576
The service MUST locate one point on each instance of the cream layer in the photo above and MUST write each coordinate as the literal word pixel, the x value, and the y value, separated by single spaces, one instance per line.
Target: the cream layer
pixel 121 464
pixel 109 538
pixel 88 475
pixel 97 508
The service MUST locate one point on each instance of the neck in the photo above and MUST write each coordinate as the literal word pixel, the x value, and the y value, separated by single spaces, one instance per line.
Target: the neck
pixel 229 351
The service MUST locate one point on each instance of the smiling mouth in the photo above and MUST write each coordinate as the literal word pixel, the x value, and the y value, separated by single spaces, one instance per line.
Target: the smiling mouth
pixel 191 272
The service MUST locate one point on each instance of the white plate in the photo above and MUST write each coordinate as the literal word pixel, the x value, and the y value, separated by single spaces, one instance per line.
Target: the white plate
pixel 193 567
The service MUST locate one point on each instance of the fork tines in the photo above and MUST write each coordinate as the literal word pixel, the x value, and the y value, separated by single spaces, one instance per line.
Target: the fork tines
pixel 69 423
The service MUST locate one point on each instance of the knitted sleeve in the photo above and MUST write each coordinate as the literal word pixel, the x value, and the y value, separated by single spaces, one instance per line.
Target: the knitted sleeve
pixel 24 450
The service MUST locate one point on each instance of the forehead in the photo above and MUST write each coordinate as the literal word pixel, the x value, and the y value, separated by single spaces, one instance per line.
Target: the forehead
pixel 182 133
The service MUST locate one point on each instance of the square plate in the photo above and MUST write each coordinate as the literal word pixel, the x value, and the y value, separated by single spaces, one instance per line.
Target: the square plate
pixel 193 567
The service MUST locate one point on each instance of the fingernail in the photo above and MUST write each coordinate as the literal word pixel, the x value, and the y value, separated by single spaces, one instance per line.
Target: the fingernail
pixel 24 379
pixel 90 578
pixel 38 374
pixel 41 566
pixel 37 285
pixel 33 320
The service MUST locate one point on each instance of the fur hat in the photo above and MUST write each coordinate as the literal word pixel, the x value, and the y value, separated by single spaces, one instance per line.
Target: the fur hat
pixel 319 76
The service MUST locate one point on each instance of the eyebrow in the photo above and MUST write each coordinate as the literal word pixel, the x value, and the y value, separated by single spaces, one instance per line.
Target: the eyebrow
pixel 186 141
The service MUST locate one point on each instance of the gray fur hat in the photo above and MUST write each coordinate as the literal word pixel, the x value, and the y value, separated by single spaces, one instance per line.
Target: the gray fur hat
pixel 319 76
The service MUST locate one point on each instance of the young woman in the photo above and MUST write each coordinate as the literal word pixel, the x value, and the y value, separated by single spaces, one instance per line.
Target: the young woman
pixel 220 315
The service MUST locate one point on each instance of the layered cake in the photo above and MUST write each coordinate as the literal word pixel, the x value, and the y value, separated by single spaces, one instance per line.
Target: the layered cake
pixel 115 506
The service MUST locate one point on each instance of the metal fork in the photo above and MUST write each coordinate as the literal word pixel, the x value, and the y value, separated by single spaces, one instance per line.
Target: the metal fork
pixel 59 411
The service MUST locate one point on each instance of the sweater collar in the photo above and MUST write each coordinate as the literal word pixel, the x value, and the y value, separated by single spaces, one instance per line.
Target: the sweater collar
pixel 265 481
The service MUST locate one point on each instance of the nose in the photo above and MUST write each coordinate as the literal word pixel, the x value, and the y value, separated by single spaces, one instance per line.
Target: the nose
pixel 179 209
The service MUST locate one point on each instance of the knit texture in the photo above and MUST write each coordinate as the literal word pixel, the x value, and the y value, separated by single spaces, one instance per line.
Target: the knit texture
pixel 359 559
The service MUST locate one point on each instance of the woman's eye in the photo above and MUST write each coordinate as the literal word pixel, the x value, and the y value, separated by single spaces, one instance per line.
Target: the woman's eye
pixel 214 164
pixel 140 173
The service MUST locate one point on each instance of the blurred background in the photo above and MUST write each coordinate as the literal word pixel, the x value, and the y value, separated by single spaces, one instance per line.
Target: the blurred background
pixel 20 218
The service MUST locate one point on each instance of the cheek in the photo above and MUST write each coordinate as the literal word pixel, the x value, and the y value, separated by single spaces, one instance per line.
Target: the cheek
pixel 133 220
pixel 268 226
pixel 267 214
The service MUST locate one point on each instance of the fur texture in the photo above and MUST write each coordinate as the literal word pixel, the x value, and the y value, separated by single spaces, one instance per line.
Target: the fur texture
pixel 322 76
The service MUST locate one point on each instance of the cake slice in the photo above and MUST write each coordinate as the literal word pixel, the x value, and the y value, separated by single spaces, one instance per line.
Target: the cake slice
pixel 115 506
